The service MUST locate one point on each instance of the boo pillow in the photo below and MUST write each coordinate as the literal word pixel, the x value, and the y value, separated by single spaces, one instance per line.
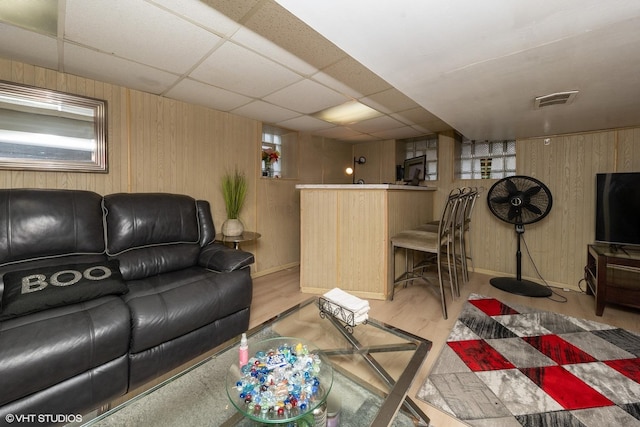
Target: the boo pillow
pixel 29 291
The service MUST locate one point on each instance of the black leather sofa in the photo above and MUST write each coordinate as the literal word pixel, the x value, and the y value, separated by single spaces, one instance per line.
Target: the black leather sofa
pixel 102 294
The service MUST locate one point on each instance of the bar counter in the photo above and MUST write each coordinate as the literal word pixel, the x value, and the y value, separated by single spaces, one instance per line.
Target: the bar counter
pixel 346 230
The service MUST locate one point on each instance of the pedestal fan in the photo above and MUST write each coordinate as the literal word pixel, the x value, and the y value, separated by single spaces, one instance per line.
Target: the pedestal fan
pixel 519 200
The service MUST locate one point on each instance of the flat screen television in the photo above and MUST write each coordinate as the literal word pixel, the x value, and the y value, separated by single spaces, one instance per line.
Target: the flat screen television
pixel 414 169
pixel 618 208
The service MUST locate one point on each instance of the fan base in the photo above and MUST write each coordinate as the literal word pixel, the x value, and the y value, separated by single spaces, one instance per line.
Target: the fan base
pixel 520 287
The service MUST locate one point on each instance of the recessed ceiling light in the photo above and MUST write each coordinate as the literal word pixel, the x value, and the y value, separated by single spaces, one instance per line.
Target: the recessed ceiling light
pixel 347 113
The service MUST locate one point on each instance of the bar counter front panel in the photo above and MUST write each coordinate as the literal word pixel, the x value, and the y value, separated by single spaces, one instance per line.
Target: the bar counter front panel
pixel 346 234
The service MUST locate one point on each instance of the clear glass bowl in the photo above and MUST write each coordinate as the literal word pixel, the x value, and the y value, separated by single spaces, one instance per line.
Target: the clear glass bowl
pixel 286 379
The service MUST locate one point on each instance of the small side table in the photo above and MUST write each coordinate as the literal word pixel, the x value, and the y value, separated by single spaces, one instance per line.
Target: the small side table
pixel 246 236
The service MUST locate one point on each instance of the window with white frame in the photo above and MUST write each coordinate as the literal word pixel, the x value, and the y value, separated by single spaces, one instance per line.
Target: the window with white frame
pixel 425 145
pixel 485 159
pixel 271 152
pixel 279 154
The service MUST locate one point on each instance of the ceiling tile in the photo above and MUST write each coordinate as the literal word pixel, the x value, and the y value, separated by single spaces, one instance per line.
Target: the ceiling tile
pixel 234 9
pixel 339 86
pixel 416 115
pixel 389 101
pixel 108 68
pixel 263 111
pixel 338 132
pixel 353 74
pixel 480 77
pixel 362 137
pixel 306 97
pixel 39 16
pixel 130 30
pixel 305 124
pixel 207 95
pixel 403 132
pixel 422 130
pixel 440 126
pixel 275 23
pixel 475 77
pixel 202 14
pixel 269 49
pixel 377 124
pixel 356 76
pixel 240 70
pixel 29 47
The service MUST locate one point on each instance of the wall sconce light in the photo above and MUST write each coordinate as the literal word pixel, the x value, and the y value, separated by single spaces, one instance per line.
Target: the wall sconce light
pixel 352 170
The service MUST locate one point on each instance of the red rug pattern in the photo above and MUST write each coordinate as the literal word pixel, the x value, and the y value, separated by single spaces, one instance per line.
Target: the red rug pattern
pixel 509 365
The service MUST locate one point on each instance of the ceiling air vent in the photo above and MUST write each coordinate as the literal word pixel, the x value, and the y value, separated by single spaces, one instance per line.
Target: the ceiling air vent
pixel 555 99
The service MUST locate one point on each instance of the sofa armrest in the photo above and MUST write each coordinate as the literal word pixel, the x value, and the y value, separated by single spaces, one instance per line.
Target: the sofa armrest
pixel 218 257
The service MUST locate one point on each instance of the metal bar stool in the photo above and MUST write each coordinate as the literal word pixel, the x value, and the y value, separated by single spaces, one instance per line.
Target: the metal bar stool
pixel 465 232
pixel 430 243
pixel 453 208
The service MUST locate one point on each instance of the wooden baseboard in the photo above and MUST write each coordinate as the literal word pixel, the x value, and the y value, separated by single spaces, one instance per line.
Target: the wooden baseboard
pixel 275 269
pixel 359 294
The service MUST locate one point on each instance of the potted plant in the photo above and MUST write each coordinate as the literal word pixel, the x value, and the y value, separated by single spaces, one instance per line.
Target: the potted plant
pixel 234 191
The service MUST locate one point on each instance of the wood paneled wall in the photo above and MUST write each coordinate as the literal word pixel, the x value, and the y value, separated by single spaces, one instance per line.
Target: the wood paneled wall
pixel 158 144
pixel 115 96
pixel 555 247
pixel 567 164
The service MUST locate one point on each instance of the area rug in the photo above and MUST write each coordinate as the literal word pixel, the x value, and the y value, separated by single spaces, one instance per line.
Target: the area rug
pixel 512 366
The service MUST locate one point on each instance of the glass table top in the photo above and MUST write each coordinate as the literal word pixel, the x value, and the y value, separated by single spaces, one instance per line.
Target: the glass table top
pixel 373 367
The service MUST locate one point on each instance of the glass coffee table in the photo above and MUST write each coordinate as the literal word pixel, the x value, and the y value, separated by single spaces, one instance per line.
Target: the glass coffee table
pixel 373 367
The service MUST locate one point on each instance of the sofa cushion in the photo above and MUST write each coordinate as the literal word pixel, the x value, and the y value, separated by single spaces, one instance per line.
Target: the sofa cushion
pixel 37 223
pixel 218 257
pixel 40 288
pixel 42 349
pixel 151 233
pixel 167 306
pixel 149 219
pixel 149 261
pixel 207 229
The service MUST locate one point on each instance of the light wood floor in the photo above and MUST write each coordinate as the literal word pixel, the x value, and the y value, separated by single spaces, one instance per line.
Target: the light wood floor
pixel 416 309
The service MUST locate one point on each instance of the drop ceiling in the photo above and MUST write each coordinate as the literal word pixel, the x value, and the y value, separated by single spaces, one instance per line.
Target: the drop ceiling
pixel 426 66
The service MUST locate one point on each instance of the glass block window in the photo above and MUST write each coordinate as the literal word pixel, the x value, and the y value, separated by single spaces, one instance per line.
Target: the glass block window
pixel 414 147
pixel 485 159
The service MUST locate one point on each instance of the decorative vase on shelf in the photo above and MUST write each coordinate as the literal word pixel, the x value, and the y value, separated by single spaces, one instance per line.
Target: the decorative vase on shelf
pixel 232 227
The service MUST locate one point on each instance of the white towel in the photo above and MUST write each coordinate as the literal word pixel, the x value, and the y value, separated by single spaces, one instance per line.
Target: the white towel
pixel 340 312
pixel 348 301
pixel 361 318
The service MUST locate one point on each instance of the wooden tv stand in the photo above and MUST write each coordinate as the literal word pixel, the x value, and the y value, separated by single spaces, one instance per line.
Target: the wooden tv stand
pixel 613 276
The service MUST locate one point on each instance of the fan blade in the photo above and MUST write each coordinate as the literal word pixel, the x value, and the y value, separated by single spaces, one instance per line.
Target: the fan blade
pixel 504 199
pixel 533 208
pixel 519 200
pixel 514 212
pixel 511 187
pixel 532 191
